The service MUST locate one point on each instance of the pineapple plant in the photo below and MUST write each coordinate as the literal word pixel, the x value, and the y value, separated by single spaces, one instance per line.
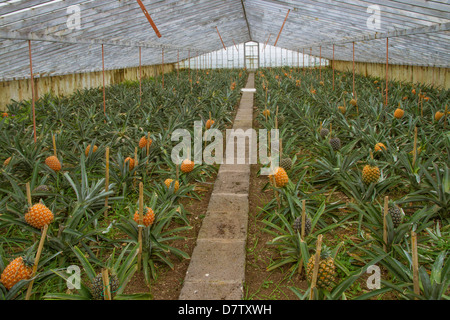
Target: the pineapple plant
pixel 18 269
pixel 38 216
pixel 53 163
pixel 370 173
pixel 327 270
pixel 86 152
pixel 396 213
pixel 98 289
pixel 130 162
pixel 168 183
pixel 297 226
pixel 335 143
pixel 286 164
pixel 148 217
pixel 187 166
pixel 281 178
pixel 281 119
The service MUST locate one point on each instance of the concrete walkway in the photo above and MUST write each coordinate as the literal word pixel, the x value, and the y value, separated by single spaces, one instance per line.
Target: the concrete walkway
pixel 217 267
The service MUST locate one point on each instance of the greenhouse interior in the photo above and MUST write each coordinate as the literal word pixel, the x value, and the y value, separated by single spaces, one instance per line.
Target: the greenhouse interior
pixel 225 150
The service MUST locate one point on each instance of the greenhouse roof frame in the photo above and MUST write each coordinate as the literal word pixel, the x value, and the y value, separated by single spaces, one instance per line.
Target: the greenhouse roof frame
pixel 418 31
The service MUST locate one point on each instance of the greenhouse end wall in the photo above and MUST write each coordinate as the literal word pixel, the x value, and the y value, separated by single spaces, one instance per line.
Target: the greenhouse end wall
pixel 67 84
pixel 435 76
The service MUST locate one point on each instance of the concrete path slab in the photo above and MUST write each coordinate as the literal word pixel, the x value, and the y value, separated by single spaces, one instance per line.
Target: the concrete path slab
pixel 217 267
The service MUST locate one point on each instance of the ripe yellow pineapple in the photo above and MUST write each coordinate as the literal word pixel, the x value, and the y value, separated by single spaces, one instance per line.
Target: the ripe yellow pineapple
pixel 354 102
pixel 438 115
pixel 168 182
pixel 281 178
pixel 86 152
pixel 148 217
pixel 16 270
pixel 130 162
pixel 327 269
pixel 370 174
pixel 53 163
pixel 38 216
pixel 266 113
pixel 187 166
pixel 342 109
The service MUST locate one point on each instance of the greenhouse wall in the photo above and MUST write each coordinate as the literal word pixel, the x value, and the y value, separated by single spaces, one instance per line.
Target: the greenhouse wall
pixel 438 77
pixel 67 84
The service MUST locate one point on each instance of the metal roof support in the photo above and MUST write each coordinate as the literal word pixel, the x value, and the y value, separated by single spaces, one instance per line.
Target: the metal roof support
pixel 282 26
pixel 246 21
pixel 33 96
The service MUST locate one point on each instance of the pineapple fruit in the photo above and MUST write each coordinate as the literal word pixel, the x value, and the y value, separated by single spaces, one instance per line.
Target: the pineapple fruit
pixel 130 162
pixel 7 161
pixel 297 226
pixel 396 213
pixel 286 164
pixel 370 174
pixel 148 217
pixel 168 182
pixel 40 189
pixel 143 142
pixel 438 115
pixel 335 143
pixel 327 269
pixel 324 132
pixel 38 216
pixel 86 152
pixel 281 178
pixel 16 270
pixel 187 166
pixel 380 146
pixel 399 113
pixel 266 113
pixel 53 163
pixel 97 288
pixel 209 123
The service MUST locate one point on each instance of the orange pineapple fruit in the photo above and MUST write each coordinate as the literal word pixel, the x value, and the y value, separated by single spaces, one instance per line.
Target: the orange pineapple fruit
pixel 370 174
pixel 148 217
pixel 398 113
pixel 130 162
pixel 16 270
pixel 342 109
pixel 209 123
pixel 380 146
pixel 168 182
pixel 438 115
pixel 143 142
pixel 53 163
pixel 86 152
pixel 281 177
pixel 354 102
pixel 187 166
pixel 38 216
pixel 6 161
pixel 266 113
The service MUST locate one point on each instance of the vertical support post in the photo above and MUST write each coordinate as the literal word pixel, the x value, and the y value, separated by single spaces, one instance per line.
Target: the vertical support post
pixel 316 266
pixel 103 72
pixel 354 96
pixel 178 64
pixel 140 77
pixel 387 68
pixel 33 97
pixel 385 212
pixel 415 261
pixel 320 62
pixel 106 180
pixel 414 148
pixel 333 67
pixel 162 58
pixel 141 222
